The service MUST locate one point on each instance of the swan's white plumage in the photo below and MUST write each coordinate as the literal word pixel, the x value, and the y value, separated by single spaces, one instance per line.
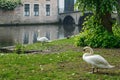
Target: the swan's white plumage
pixel 96 61
pixel 42 39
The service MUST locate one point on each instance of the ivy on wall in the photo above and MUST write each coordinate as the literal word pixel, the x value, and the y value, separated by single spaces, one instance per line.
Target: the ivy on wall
pixel 9 4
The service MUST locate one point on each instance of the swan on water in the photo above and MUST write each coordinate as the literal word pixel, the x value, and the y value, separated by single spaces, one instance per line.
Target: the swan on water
pixel 95 60
pixel 42 39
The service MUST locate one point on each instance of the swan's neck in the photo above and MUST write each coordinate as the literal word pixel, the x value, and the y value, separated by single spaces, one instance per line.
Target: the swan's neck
pixel 91 51
pixel 88 53
pixel 85 55
pixel 39 34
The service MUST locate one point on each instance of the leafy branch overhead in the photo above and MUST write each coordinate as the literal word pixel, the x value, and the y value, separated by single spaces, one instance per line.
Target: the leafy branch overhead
pixel 9 4
pixel 100 6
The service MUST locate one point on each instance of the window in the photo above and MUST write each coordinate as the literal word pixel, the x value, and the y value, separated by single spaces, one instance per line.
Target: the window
pixel 27 9
pixel 47 9
pixel 36 9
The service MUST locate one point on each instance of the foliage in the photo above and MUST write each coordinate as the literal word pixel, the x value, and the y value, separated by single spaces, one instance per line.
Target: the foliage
pixel 19 48
pixel 9 4
pixel 95 35
pixel 101 6
pixel 97 31
pixel 102 10
pixel 116 30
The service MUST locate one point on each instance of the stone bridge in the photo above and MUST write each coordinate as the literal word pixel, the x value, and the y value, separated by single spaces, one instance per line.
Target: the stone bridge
pixel 75 17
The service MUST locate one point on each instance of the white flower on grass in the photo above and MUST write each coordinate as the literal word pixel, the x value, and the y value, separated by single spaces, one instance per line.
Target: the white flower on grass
pixel 58 56
pixel 41 67
pixel 2 54
pixel 50 59
pixel 73 74
pixel 33 71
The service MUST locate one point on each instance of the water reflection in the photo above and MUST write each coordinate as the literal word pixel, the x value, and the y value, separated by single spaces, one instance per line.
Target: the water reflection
pixel 68 30
pixel 28 34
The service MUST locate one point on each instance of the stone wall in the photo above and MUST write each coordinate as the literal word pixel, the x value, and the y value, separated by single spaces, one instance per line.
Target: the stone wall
pixel 17 16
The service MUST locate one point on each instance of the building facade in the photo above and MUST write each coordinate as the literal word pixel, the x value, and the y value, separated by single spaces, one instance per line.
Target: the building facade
pixel 30 12
pixel 68 5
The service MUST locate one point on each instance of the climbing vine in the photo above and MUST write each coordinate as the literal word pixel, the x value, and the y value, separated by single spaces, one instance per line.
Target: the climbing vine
pixel 9 4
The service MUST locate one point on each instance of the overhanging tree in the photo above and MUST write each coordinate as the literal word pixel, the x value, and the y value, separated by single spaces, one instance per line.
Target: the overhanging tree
pixel 97 30
pixel 102 10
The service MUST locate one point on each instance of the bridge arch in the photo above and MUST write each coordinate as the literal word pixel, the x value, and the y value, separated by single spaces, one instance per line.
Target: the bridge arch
pixel 68 25
pixel 76 17
pixel 82 19
pixel 68 20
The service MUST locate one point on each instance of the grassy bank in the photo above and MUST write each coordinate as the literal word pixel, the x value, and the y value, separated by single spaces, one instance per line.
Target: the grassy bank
pixel 58 60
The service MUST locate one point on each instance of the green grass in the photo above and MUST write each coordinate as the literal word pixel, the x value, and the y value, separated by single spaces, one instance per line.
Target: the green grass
pixel 59 60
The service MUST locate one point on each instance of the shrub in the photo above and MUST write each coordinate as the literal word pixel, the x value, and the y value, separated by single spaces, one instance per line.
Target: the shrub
pixel 9 4
pixel 116 30
pixel 95 35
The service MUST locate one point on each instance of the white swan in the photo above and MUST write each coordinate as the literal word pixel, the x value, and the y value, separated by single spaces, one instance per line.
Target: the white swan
pixel 96 61
pixel 42 39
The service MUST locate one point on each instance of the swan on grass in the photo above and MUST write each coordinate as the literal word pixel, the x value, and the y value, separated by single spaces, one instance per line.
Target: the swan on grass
pixel 96 61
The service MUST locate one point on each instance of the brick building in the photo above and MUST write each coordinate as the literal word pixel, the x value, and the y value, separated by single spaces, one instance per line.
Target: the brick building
pixel 31 11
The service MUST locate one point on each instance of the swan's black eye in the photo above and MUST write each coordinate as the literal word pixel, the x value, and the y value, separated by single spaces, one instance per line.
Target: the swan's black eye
pixel 83 49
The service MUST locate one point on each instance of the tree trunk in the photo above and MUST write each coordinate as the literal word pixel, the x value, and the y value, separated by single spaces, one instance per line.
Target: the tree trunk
pixel 106 17
pixel 118 18
pixel 118 12
pixel 107 22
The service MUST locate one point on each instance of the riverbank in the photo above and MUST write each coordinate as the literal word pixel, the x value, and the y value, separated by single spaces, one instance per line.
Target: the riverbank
pixel 58 60
pixel 29 24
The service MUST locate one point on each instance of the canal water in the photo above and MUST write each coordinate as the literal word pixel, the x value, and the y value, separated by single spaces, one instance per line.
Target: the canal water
pixel 9 35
